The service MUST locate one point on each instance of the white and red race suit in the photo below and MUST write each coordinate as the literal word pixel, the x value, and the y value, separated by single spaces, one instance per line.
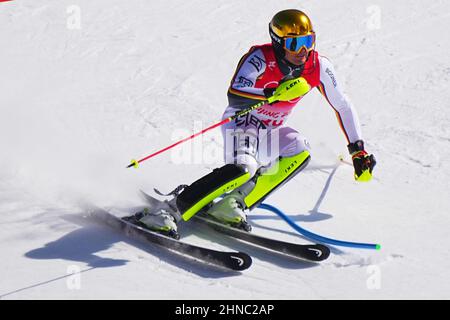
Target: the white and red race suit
pixel 259 71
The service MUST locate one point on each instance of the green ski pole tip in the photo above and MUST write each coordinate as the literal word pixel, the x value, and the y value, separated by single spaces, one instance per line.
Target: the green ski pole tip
pixel 134 163
pixel 378 247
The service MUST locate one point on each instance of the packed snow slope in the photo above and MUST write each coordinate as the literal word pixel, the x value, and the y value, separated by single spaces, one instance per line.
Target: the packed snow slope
pixel 85 86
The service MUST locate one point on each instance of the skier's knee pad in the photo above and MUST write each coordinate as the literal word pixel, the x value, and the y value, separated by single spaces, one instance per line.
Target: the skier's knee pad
pixel 248 161
pixel 278 174
pixel 206 189
pixel 297 145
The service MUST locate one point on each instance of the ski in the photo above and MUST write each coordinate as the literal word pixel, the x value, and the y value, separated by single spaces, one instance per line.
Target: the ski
pixel 309 252
pixel 237 261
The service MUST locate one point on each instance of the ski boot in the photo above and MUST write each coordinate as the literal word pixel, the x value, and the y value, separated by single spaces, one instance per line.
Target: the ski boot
pixel 159 217
pixel 230 211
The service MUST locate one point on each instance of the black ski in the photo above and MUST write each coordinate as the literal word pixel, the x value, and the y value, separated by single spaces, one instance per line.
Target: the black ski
pixel 310 252
pixel 231 260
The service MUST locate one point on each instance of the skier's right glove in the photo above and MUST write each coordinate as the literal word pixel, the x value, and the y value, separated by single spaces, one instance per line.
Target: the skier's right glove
pixel 362 161
pixel 290 89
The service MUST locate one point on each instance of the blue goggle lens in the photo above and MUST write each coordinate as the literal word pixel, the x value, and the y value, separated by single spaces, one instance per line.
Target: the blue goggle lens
pixel 296 43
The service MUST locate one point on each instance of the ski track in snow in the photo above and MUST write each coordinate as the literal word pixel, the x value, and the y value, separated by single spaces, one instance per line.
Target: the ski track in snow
pixel 77 105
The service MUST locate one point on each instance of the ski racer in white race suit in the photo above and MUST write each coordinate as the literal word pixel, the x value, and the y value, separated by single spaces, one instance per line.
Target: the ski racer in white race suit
pixel 261 152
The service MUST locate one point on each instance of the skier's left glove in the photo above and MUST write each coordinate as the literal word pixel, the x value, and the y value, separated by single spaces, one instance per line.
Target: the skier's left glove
pixel 290 89
pixel 362 161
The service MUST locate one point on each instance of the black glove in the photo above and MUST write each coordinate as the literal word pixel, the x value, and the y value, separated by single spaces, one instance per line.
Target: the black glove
pixel 362 161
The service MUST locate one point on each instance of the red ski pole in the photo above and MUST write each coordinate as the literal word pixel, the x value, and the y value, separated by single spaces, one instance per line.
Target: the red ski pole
pixel 134 163
pixel 287 90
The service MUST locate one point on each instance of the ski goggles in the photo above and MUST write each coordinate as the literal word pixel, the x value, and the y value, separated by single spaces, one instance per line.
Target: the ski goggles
pixel 295 44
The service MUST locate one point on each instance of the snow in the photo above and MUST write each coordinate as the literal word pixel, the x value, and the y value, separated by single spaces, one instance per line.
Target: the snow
pixel 78 104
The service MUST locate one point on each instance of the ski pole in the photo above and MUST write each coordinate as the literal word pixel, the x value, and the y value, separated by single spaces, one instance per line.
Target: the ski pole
pixel 287 90
pixel 134 163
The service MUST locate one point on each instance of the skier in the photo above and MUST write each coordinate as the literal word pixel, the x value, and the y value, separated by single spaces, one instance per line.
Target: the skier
pixel 251 173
